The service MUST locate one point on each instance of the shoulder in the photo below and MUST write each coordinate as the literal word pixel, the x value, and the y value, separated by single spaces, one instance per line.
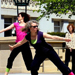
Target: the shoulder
pixel 40 33
pixel 15 23
pixel 74 33
pixel 67 33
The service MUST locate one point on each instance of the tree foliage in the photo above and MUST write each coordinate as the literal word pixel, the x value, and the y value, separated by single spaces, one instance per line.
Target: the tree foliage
pixel 56 6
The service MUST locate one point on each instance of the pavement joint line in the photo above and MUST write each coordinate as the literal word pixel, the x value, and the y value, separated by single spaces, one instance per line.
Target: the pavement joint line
pixel 30 74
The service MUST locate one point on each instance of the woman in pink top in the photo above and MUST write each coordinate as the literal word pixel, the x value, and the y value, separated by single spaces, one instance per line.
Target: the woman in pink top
pixel 24 49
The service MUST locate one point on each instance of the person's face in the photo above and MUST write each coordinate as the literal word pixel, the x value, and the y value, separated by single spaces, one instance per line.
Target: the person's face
pixel 70 28
pixel 34 27
pixel 20 17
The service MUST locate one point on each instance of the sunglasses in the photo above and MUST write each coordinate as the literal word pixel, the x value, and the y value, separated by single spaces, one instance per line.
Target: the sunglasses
pixel 34 26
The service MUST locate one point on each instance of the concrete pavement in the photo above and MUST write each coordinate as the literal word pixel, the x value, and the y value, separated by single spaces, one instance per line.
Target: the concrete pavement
pixel 30 74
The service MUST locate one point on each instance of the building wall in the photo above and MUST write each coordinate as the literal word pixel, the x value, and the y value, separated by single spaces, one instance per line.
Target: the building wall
pixel 8 9
pixel 0 12
pixel 65 23
pixel 1 22
pixel 48 26
pixel 2 27
pixel 13 12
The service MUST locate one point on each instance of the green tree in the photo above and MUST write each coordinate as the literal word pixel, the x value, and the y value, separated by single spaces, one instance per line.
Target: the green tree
pixel 56 6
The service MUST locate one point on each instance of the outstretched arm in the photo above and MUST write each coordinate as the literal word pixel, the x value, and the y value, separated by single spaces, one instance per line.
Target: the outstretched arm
pixel 45 35
pixel 18 44
pixel 7 28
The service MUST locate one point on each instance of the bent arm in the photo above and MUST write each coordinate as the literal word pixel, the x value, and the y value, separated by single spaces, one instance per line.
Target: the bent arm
pixel 45 35
pixel 18 44
pixel 7 28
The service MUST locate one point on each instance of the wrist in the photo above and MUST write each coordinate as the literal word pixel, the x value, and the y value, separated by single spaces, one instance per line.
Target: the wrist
pixel 63 39
pixel 13 47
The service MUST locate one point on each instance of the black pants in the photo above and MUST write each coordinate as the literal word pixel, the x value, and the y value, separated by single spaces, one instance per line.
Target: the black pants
pixel 52 55
pixel 67 58
pixel 26 54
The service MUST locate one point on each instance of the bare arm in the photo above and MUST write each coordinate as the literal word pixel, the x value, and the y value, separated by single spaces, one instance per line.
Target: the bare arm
pixel 18 44
pixel 45 35
pixel 7 28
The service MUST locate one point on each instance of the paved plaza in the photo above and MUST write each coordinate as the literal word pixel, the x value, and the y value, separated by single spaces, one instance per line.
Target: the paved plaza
pixel 30 74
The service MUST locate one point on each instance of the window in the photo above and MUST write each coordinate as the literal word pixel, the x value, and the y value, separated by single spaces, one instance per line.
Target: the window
pixel 7 22
pixel 56 26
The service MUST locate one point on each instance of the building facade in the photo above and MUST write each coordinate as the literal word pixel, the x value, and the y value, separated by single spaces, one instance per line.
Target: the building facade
pixel 8 14
pixel 56 23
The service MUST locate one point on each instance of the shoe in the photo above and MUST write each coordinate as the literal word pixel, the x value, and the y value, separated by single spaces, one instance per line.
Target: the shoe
pixel 71 73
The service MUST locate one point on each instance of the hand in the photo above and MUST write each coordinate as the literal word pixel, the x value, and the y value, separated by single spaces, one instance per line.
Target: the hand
pixel 0 32
pixel 67 40
pixel 11 47
pixel 71 50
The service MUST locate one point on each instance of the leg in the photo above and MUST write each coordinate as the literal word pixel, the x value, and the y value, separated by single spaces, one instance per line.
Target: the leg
pixel 38 59
pixel 11 58
pixel 27 55
pixel 73 61
pixel 52 55
pixel 6 73
pixel 67 56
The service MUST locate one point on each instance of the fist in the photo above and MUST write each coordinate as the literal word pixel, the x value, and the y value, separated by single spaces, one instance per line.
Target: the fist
pixel 11 47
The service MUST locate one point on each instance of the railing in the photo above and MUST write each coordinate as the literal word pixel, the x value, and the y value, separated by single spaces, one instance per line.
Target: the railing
pixel 10 4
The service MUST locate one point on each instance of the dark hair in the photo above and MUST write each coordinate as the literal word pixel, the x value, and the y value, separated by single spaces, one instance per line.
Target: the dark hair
pixel 25 15
pixel 72 27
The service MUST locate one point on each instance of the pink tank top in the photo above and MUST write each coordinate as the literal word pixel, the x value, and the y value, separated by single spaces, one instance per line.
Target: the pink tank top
pixel 19 34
